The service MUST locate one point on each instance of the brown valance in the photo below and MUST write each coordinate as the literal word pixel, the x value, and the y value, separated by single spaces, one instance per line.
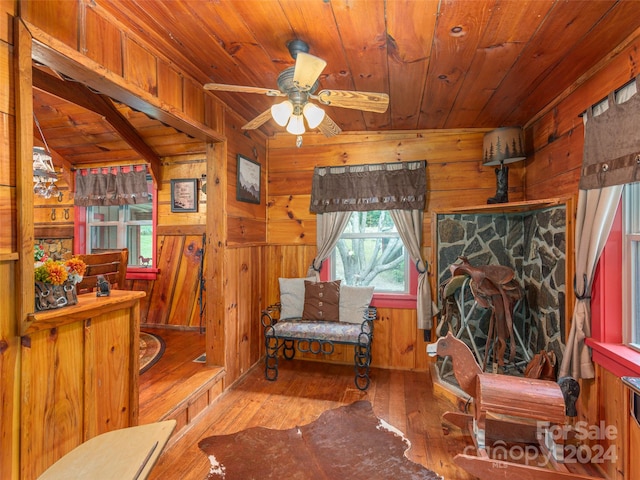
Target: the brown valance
pixel 383 186
pixel 111 186
pixel 612 144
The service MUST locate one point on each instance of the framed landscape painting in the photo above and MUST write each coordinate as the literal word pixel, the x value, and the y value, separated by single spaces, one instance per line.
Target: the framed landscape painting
pixel 248 181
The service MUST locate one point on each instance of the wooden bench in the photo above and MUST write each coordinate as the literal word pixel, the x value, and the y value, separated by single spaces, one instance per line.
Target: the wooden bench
pixel 317 337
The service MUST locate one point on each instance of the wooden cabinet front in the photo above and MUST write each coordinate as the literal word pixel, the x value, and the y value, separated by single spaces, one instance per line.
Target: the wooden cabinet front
pixel 79 376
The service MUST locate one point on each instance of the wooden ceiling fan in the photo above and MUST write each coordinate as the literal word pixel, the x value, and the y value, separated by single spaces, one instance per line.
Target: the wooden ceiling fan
pixel 299 84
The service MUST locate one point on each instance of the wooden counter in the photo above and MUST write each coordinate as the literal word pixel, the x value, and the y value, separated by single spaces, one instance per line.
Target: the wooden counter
pixel 88 304
pixel 80 369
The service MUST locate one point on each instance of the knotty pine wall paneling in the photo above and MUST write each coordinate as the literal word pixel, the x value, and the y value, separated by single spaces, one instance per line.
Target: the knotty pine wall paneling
pixel 246 221
pixel 553 168
pixel 101 41
pixel 557 137
pixel 53 217
pixel 455 178
pixel 245 280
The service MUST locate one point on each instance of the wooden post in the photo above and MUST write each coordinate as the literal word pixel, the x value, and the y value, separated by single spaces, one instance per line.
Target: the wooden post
pixel 216 251
pixel 24 169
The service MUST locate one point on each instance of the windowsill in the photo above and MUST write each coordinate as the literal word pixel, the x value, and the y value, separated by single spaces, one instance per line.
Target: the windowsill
pixel 615 357
pixel 140 273
pixel 389 300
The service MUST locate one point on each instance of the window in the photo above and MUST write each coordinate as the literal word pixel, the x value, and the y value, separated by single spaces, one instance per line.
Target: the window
pixel 370 252
pixel 122 226
pixel 631 264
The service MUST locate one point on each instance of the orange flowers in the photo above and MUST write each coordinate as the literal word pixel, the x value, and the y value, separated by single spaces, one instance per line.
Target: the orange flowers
pixel 76 266
pixel 56 272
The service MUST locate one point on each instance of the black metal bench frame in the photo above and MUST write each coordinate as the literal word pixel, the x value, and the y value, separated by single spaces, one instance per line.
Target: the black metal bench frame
pixel 307 342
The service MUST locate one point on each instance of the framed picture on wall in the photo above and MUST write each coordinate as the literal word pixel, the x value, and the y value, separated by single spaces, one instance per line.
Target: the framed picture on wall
pixel 184 195
pixel 248 181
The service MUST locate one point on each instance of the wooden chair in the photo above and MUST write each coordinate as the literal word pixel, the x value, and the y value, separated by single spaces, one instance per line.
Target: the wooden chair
pixel 111 265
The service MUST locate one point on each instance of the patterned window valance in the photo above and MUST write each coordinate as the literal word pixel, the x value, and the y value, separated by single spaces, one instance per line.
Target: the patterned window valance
pixel 111 186
pixel 383 186
pixel 611 142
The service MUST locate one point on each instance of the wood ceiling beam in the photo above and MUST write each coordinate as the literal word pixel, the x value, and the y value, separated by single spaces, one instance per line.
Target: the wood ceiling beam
pixel 102 105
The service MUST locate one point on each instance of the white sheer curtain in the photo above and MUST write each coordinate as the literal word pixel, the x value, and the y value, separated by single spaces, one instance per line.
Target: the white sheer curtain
pixel 409 225
pixel 330 226
pixel 611 158
pixel 596 209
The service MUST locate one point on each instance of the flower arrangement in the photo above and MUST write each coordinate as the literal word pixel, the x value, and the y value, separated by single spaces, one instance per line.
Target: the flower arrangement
pixel 56 272
pixel 39 254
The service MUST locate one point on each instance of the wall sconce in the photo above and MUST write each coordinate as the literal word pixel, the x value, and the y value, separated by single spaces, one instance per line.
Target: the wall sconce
pixel 501 147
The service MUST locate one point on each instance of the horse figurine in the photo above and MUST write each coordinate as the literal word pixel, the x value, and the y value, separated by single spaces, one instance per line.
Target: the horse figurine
pixel 514 404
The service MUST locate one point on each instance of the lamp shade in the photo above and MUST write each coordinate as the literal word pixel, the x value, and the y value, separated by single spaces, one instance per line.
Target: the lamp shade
pixel 503 145
pixel 281 112
pixel 296 125
pixel 313 114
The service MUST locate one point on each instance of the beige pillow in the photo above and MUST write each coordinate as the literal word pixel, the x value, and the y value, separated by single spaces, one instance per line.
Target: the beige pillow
pixel 292 297
pixel 353 303
pixel 321 301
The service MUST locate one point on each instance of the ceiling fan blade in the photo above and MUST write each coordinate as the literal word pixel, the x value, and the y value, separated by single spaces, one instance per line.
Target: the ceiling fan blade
pixel 329 127
pixel 221 87
pixel 258 121
pixel 368 101
pixel 308 69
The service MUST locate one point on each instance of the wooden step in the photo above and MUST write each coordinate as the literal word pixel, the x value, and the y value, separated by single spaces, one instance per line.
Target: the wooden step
pixel 176 387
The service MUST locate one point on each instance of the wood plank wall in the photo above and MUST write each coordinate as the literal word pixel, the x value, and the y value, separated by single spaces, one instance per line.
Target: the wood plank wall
pixel 245 267
pixel 172 298
pixel 455 178
pixel 553 168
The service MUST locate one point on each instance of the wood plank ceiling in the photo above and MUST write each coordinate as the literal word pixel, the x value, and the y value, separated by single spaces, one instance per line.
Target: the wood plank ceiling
pixel 444 63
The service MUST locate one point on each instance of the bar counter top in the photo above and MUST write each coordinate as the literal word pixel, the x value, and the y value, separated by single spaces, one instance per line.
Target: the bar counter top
pixel 88 306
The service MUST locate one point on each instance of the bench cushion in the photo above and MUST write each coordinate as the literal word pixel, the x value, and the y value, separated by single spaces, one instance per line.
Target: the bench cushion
pixel 325 331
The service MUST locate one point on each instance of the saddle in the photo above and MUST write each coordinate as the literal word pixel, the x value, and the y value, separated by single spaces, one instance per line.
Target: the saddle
pixel 494 287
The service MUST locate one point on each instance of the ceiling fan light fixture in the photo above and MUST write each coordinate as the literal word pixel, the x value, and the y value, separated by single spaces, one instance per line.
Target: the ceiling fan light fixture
pixel 313 114
pixel 281 112
pixel 296 125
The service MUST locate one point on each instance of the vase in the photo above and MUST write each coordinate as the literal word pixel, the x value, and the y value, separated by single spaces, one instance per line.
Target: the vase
pixel 49 296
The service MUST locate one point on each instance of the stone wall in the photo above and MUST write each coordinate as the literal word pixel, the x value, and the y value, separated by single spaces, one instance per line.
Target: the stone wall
pixel 57 248
pixel 533 244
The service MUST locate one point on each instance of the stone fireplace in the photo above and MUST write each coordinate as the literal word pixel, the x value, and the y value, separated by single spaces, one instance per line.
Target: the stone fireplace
pixel 530 238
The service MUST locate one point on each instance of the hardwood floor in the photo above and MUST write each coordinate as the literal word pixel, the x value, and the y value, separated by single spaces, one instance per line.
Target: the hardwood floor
pixel 167 388
pixel 175 388
pixel 302 392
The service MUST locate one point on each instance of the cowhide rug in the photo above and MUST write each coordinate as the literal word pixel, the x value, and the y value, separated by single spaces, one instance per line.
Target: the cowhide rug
pixel 349 442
